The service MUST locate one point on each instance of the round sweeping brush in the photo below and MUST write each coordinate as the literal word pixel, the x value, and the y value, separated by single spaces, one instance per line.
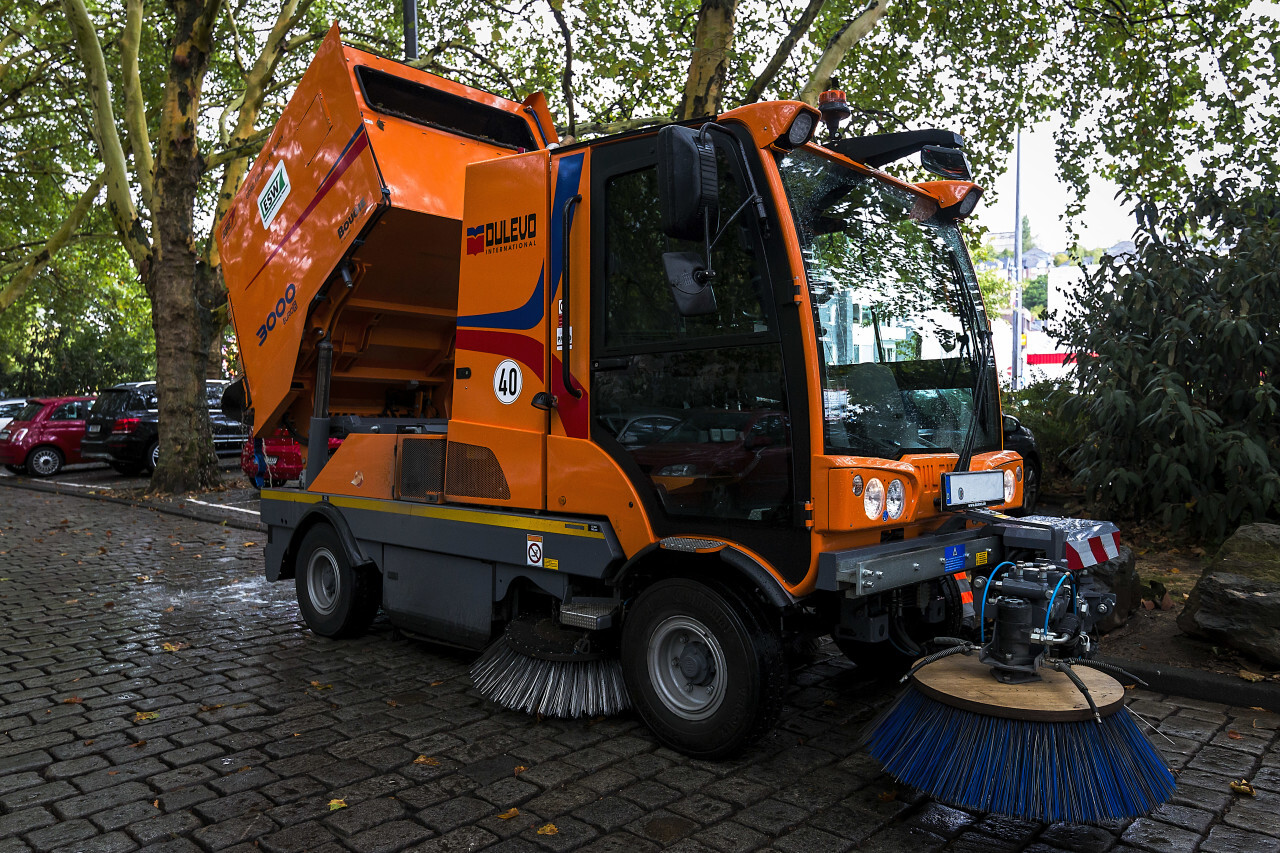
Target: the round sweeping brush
pixel 1042 750
pixel 539 667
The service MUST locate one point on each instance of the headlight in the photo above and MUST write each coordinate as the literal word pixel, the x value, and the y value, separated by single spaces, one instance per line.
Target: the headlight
pixel 687 469
pixel 1008 485
pixel 897 499
pixel 857 485
pixel 873 499
pixel 19 435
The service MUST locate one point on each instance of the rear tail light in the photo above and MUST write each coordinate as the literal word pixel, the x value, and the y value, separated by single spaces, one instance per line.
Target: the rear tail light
pixel 124 426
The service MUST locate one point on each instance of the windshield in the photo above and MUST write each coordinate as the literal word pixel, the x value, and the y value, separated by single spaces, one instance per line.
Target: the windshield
pixel 898 314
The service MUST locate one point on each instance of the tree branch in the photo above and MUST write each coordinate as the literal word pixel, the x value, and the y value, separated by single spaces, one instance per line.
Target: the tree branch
pixel 135 110
pixel 120 205
pixel 844 39
pixel 604 128
pixel 566 79
pixel 245 148
pixel 36 260
pixel 798 29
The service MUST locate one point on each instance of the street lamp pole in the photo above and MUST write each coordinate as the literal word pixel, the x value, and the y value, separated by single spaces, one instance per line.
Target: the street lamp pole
pixel 1015 372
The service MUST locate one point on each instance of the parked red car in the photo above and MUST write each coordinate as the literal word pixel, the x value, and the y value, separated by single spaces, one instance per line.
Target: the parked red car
pixel 44 436
pixel 281 461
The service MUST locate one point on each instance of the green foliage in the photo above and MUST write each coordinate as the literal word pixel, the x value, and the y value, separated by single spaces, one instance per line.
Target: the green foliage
pixel 1179 357
pixel 1035 294
pixel 1045 406
pixel 1028 240
pixel 80 327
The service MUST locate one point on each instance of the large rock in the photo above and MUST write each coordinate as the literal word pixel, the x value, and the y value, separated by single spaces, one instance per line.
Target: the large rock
pixel 1236 602
pixel 1119 576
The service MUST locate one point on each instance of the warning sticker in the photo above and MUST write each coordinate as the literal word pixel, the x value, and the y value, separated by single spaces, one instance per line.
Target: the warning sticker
pixel 533 550
pixel 953 557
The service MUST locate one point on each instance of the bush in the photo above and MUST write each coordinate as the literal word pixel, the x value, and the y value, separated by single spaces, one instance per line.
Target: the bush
pixel 1043 406
pixel 1178 352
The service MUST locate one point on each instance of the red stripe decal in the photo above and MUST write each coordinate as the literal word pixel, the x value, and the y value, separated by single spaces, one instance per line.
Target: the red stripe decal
pixel 1073 559
pixel 357 147
pixel 1099 550
pixel 572 410
pixel 506 344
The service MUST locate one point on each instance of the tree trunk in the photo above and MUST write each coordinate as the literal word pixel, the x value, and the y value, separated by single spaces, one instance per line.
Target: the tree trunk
pixel 187 460
pixel 709 64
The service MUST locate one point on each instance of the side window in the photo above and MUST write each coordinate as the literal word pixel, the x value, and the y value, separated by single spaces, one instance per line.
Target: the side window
pixel 639 308
pixel 65 412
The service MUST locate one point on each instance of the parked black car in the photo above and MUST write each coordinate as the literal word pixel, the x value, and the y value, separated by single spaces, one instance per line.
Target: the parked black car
pixel 1019 437
pixel 122 427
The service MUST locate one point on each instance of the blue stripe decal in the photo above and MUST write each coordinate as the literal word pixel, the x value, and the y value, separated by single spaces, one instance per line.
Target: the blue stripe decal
pixel 567 181
pixel 526 316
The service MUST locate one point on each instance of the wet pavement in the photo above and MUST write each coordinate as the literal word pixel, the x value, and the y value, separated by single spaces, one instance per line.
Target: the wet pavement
pixel 157 694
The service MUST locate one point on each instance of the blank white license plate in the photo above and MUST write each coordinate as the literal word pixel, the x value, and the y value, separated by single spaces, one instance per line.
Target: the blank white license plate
pixel 967 488
pixel 95 428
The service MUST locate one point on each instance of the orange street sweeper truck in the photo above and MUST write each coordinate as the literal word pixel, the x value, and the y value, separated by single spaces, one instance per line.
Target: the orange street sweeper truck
pixel 639 415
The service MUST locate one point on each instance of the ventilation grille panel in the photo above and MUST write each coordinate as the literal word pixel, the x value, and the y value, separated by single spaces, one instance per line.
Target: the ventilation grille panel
pixel 473 471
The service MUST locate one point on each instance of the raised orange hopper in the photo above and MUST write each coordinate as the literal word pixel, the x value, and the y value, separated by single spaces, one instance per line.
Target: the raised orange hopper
pixel 349 225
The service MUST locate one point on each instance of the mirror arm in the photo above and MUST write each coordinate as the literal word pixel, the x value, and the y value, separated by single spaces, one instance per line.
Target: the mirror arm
pixel 761 214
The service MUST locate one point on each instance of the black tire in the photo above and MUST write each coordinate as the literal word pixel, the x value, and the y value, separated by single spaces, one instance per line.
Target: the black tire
pixel 1031 486
pixel 336 599
pixel 128 469
pixel 15 469
pixel 718 642
pixel 151 459
pixel 44 461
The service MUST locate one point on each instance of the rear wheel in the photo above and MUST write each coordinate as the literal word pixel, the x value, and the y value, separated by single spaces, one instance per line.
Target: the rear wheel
pixel 44 461
pixel 336 598
pixel 703 667
pixel 152 459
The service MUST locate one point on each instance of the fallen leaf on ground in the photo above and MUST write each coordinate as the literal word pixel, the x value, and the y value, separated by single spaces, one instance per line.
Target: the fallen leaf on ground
pixel 1251 676
pixel 138 744
pixel 334 805
pixel 548 829
pixel 1235 735
pixel 210 707
pixel 519 768
pixel 72 700
pixel 433 684
pixel 72 601
pixel 888 796
pixel 318 686
pixel 173 647
pixel 427 760
pixel 144 715
pixel 509 813
pixel 393 703
pixel 1243 786
pixel 169 609
pixel 250 544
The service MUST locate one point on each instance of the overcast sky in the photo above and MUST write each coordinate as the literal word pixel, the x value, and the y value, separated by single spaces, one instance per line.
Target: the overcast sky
pixel 1044 199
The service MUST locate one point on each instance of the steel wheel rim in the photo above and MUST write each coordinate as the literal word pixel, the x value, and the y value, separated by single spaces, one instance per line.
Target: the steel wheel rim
pixel 44 463
pixel 324 581
pixel 687 668
pixel 155 455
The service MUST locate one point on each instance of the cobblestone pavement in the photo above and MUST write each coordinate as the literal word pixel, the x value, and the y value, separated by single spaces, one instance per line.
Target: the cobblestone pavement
pixel 157 694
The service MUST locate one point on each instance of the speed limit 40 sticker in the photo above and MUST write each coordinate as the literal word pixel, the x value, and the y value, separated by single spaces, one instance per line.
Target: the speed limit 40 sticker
pixel 507 382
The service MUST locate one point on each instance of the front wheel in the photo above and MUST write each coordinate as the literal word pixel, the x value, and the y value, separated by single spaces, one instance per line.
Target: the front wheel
pixel 703 667
pixel 336 599
pixel 44 461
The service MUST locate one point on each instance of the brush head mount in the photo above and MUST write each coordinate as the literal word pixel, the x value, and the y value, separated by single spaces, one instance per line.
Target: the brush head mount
pixel 965 682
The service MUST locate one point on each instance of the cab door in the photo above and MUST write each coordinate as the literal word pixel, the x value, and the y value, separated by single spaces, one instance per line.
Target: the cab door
pixel 728 461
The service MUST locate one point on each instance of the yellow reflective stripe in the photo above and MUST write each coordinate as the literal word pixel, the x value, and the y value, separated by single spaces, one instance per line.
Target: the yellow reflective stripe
pixel 469 516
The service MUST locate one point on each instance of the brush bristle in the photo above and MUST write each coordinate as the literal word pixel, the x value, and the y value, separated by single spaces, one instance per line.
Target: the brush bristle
pixel 551 688
pixel 1075 772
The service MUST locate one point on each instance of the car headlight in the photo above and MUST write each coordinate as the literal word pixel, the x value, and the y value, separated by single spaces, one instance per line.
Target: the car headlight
pixel 1008 485
pixel 873 499
pixel 687 469
pixel 19 435
pixel 896 500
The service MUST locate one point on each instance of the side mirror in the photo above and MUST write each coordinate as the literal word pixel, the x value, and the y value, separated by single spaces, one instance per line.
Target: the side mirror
pixel 688 191
pixel 1011 424
pixel 946 162
pixel 690 283
pixel 235 402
